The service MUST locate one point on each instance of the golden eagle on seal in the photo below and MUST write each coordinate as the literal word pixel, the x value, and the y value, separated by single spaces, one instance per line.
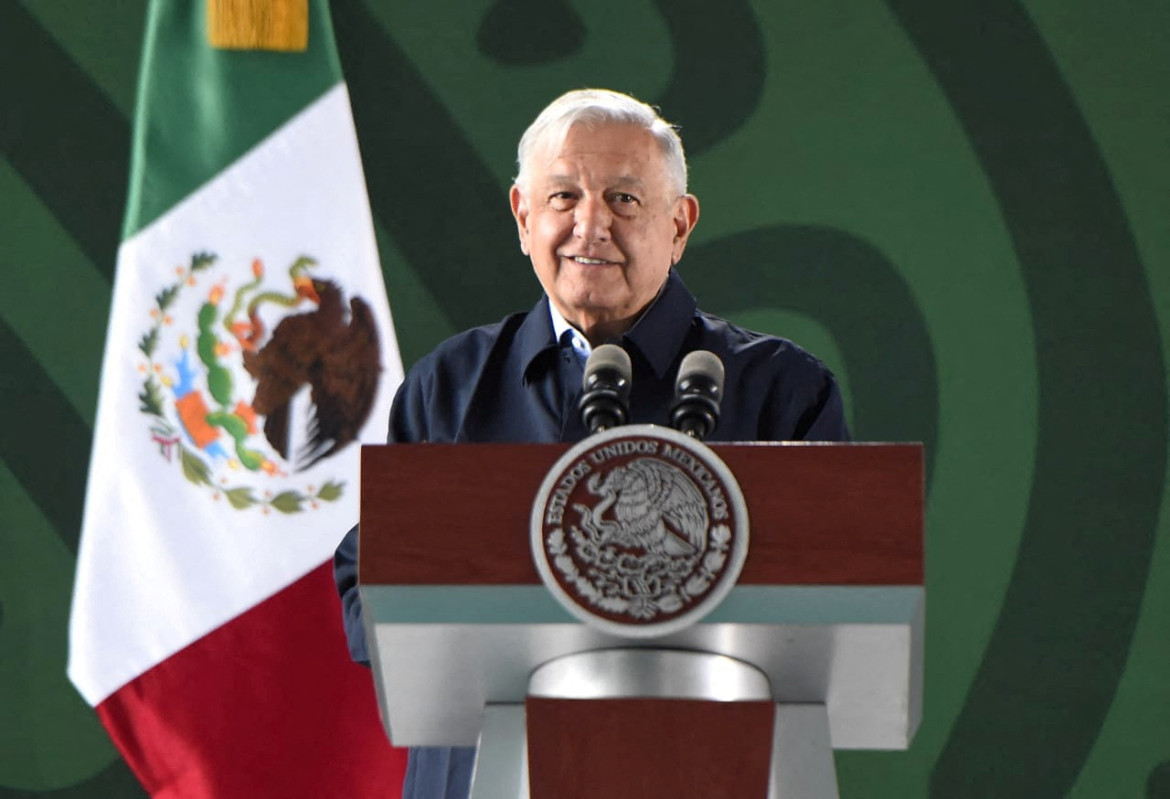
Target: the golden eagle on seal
pixel 647 495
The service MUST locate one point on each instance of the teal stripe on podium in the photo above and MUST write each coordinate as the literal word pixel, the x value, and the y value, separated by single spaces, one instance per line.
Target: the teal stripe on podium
pixel 463 604
pixel 817 604
pixel 750 604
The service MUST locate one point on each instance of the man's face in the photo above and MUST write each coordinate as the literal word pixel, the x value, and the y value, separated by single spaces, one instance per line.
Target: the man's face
pixel 602 225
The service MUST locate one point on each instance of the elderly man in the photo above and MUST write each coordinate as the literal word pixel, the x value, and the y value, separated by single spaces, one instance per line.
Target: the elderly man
pixel 602 210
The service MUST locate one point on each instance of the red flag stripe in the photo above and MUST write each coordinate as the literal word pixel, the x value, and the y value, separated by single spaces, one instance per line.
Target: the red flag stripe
pixel 268 705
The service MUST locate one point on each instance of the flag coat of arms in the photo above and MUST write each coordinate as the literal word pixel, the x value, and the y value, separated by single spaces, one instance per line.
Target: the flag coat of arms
pixel 250 351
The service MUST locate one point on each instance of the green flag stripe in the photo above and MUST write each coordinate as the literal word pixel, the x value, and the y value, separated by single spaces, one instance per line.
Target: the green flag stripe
pixel 190 99
pixel 38 134
pixel 43 441
pixel 1063 635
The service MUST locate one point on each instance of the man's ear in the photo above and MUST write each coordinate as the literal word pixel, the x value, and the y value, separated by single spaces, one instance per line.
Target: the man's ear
pixel 519 205
pixel 686 215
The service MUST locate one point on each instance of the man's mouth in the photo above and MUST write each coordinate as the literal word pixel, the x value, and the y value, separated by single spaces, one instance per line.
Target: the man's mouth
pixel 581 259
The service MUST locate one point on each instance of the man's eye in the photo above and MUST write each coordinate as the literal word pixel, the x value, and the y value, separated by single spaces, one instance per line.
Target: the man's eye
pixel 624 199
pixel 561 199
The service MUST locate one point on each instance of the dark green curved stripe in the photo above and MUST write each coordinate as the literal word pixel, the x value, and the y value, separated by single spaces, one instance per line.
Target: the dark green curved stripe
pixel 1158 782
pixel 115 779
pixel 42 440
pixel 719 69
pixel 445 210
pixel 877 325
pixel 1060 644
pixel 43 133
pixel 528 32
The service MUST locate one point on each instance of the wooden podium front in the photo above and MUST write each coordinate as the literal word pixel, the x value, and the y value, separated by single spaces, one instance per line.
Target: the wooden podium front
pixel 829 607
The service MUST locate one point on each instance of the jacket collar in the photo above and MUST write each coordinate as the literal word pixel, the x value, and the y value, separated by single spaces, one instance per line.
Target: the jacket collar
pixel 657 336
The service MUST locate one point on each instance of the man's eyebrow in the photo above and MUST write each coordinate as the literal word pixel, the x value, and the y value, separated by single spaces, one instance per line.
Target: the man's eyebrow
pixel 623 182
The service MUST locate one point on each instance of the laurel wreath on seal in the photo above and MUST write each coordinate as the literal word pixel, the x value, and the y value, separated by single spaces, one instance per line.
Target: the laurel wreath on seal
pixel 640 586
pixel 168 438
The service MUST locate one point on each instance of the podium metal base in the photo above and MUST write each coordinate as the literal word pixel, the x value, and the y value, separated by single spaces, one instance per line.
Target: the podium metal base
pixel 801 764
pixel 501 764
pixel 802 754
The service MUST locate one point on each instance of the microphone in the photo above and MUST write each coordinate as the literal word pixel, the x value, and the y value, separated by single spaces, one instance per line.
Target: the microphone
pixel 697 394
pixel 605 397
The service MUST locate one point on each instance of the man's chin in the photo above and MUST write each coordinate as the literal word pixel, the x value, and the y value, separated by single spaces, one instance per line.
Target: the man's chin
pixel 601 296
pixel 608 320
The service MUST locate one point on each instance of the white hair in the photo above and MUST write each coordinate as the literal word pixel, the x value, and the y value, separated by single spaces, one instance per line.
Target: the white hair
pixel 593 107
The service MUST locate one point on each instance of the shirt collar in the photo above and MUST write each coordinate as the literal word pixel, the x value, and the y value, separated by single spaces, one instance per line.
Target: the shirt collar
pixel 561 328
pixel 535 337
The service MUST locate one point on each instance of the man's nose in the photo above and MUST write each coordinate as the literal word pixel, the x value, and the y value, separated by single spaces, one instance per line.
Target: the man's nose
pixel 593 219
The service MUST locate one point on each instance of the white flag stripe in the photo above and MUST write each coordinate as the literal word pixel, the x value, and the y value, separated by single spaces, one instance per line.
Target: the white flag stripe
pixel 162 564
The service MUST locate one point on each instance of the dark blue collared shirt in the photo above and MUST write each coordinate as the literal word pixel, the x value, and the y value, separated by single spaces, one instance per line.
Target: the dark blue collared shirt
pixel 515 382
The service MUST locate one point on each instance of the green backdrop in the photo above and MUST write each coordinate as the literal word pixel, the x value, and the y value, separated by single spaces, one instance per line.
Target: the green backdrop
pixel 960 206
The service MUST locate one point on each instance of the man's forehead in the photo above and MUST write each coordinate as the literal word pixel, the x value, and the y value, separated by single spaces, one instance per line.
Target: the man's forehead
pixel 621 156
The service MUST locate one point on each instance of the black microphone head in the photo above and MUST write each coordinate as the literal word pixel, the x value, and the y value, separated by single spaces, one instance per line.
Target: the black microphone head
pixel 605 388
pixel 609 363
pixel 703 371
pixel 697 394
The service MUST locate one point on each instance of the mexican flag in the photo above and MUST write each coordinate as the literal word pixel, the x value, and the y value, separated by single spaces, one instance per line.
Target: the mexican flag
pixel 250 351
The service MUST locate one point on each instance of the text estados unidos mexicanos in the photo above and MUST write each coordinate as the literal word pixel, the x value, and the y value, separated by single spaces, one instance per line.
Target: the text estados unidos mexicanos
pixel 559 496
pixel 703 476
pixel 555 511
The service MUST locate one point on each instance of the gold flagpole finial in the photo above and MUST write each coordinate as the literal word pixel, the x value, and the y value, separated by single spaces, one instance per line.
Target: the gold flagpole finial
pixel 258 24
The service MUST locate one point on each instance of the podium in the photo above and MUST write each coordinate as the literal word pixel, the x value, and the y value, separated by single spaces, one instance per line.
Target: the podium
pixel 817 645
